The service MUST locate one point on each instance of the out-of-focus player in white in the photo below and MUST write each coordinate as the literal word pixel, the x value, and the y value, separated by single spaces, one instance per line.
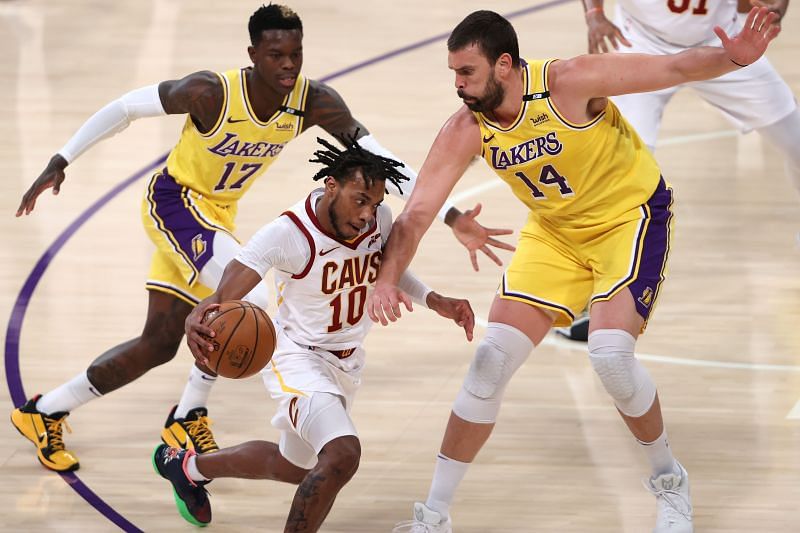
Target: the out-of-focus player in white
pixel 754 97
pixel 326 253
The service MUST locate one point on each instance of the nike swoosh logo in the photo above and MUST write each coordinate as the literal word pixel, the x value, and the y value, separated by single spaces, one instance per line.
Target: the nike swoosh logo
pixel 486 140
pixel 325 252
pixel 231 120
pixel 41 437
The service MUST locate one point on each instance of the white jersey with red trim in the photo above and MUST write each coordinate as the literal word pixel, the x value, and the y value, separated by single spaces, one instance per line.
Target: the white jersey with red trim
pixel 681 22
pixel 322 282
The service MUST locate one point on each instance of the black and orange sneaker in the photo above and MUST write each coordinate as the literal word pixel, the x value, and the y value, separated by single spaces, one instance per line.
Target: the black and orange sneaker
pixel 190 433
pixel 45 431
pixel 191 496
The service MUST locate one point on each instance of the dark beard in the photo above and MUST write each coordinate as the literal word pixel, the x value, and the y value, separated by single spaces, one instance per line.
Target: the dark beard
pixel 491 99
pixel 335 220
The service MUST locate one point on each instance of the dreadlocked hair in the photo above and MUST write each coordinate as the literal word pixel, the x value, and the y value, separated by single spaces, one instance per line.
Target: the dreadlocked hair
pixel 272 17
pixel 340 163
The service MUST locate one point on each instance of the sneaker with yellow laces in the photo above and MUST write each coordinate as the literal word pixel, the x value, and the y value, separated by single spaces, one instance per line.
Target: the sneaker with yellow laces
pixel 190 433
pixel 45 431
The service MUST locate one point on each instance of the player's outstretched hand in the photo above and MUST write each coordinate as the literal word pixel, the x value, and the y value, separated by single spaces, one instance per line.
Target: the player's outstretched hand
pixel 384 303
pixel 455 308
pixel 751 43
pixel 476 237
pixel 51 176
pixel 197 333
pixel 600 30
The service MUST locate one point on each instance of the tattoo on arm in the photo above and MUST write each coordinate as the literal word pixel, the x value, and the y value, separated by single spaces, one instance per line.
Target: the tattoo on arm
pixel 201 95
pixel 327 109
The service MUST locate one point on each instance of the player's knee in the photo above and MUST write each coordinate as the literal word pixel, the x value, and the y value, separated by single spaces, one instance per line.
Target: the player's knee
pixel 340 457
pixel 498 356
pixel 622 375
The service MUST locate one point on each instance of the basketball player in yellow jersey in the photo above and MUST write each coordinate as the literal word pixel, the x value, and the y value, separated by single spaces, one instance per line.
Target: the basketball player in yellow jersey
pixel 237 124
pixel 598 230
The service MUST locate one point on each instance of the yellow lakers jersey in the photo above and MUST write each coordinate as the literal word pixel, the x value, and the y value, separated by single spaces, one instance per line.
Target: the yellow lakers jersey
pixel 222 164
pixel 575 174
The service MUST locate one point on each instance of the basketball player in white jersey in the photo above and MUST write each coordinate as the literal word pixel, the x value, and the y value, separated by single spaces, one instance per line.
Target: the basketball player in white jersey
pixel 754 97
pixel 326 252
pixel 237 124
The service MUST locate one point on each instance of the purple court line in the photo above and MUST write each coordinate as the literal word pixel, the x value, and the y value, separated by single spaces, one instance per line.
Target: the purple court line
pixel 14 328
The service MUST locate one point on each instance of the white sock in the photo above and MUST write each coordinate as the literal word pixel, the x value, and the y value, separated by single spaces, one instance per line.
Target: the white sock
pixel 196 392
pixel 446 478
pixel 192 471
pixel 660 456
pixel 69 396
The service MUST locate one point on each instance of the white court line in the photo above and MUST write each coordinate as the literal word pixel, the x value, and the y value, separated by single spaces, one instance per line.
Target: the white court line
pixel 794 414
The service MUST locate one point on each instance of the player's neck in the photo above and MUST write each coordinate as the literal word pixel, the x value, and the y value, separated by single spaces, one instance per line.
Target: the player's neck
pixel 321 210
pixel 264 99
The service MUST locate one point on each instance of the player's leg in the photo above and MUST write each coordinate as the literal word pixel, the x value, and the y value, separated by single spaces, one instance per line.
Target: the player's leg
pixel 757 98
pixel 627 290
pixel 188 425
pixel 42 417
pixel 541 285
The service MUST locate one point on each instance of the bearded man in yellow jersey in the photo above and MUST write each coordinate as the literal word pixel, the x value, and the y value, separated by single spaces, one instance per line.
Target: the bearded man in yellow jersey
pixel 237 124
pixel 598 231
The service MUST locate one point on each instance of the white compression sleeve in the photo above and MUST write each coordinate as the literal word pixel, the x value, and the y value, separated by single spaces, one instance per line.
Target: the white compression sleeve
pixel 371 143
pixel 112 119
pixel 414 287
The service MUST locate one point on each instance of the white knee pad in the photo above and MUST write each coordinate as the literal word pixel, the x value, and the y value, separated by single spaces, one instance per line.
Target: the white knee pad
pixel 622 375
pixel 225 249
pixel 498 356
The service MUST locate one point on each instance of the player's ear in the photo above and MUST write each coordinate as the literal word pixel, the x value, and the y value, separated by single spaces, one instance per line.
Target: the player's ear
pixel 504 65
pixel 251 51
pixel 331 184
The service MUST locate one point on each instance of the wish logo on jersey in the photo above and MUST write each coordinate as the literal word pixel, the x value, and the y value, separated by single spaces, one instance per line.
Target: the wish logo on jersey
pixel 526 151
pixel 232 145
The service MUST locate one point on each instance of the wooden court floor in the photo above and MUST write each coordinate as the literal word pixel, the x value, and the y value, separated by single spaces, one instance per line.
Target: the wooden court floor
pixel 724 345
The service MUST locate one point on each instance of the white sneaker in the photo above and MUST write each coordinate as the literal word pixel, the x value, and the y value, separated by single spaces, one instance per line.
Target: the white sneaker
pixel 674 504
pixel 426 520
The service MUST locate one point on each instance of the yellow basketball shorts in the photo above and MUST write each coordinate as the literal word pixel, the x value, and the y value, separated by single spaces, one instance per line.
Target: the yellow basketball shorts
pixel 182 225
pixel 563 269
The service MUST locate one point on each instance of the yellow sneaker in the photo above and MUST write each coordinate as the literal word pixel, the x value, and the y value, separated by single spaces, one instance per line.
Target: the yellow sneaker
pixel 45 432
pixel 190 433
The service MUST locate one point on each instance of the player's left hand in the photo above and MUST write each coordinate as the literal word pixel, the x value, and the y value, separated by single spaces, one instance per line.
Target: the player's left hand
pixel 751 43
pixel 476 237
pixel 454 308
pixel 776 6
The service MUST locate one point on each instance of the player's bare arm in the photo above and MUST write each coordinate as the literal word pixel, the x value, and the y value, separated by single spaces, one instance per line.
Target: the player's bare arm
pixel 237 280
pixel 578 86
pixel 199 94
pixel 327 109
pixel 457 143
pixel 601 31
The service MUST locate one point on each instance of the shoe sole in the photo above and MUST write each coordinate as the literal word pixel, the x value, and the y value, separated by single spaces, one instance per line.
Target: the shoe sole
pixel 38 452
pixel 179 503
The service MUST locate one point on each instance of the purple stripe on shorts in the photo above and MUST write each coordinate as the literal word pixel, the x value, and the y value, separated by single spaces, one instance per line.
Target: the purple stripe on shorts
pixel 195 241
pixel 655 251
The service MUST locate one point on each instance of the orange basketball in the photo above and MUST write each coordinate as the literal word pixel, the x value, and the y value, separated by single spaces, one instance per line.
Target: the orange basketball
pixel 244 341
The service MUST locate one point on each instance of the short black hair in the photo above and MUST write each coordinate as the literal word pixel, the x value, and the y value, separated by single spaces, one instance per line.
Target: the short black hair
pixel 493 34
pixel 341 164
pixel 272 17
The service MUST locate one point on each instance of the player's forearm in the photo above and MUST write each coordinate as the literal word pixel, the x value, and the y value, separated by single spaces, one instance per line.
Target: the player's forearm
pixel 591 6
pixel 703 63
pixel 407 231
pixel 237 280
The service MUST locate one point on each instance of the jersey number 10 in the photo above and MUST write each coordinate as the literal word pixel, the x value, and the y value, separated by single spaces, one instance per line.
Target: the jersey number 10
pixel 356 299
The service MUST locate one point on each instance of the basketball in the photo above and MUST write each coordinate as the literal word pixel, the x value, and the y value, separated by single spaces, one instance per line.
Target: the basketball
pixel 244 341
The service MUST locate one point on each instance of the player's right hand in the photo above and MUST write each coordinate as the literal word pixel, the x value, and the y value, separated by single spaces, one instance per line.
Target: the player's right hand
pixel 52 176
pixel 600 30
pixel 384 303
pixel 197 333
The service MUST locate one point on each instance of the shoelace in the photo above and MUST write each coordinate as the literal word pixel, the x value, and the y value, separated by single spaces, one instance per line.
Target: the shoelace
pixel 674 499
pixel 201 434
pixel 55 439
pixel 414 526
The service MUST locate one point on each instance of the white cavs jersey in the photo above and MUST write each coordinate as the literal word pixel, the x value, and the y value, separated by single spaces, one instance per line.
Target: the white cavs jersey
pixel 322 282
pixel 680 22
